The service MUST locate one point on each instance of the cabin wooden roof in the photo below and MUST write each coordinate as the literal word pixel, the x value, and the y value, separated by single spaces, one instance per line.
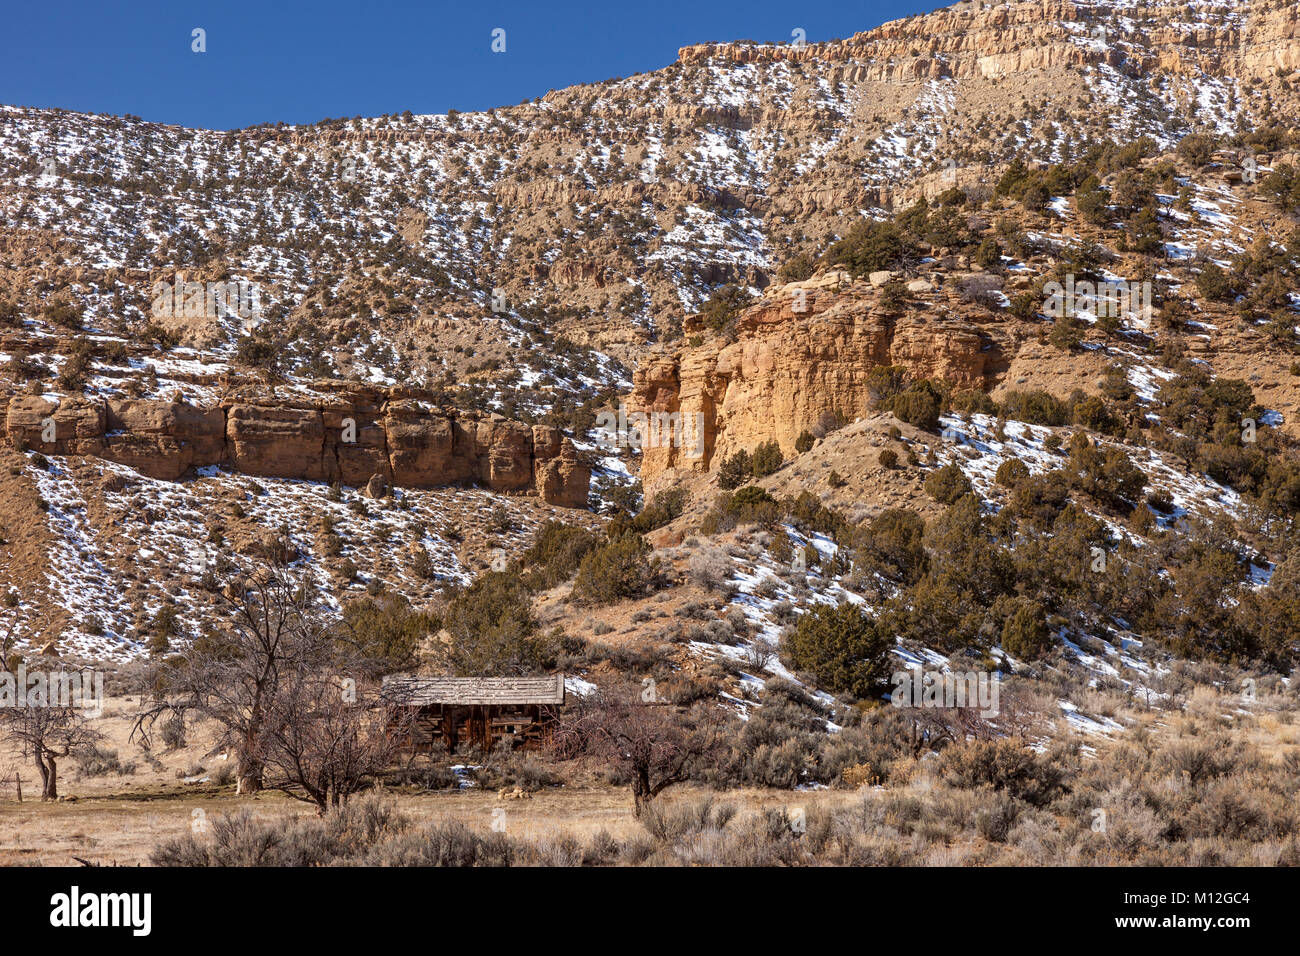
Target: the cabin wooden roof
pixel 428 691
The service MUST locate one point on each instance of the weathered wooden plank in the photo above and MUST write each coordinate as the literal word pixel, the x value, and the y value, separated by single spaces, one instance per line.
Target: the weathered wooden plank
pixel 474 691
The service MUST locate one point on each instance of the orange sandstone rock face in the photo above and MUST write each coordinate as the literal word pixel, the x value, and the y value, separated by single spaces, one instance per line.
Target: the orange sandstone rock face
pixel 784 369
pixel 365 451
pixel 75 427
pixel 423 448
pixel 504 454
pixel 276 441
pixel 564 480
pixel 163 439
pixel 346 438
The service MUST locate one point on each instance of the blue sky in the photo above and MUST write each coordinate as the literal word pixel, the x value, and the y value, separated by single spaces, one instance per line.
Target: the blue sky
pixel 300 62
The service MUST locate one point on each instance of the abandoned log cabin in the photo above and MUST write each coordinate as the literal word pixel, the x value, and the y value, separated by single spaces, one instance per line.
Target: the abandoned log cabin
pixel 475 710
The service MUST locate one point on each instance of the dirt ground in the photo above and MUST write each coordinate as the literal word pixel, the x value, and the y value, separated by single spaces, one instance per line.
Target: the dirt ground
pixel 123 830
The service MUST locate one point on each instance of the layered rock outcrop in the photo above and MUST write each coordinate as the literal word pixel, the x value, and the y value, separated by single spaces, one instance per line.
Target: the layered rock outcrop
pixel 163 439
pixel 995 41
pixel 347 438
pixel 782 370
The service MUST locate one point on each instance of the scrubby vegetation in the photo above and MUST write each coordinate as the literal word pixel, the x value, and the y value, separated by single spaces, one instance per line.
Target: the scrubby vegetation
pixel 1197 797
pixel 493 630
pixel 843 648
pixel 618 569
pixel 743 465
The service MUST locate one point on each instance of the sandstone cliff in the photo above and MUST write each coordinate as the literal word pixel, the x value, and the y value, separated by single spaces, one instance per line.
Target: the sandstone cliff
pixel 346 438
pixel 782 369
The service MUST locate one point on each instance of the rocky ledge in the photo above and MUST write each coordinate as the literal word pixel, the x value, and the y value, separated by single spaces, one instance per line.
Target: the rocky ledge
pixel 348 438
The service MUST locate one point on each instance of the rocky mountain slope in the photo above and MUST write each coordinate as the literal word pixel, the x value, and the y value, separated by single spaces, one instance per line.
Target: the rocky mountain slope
pixel 804 351
pixel 601 211
pixel 469 291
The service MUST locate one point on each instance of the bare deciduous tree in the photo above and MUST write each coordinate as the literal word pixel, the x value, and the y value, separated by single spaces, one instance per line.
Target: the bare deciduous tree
pixel 919 730
pixel 654 744
pixel 47 734
pixel 7 641
pixel 325 742
pixel 234 678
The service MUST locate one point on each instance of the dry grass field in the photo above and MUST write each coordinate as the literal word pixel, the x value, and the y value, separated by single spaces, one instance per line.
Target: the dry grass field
pixel 1173 787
